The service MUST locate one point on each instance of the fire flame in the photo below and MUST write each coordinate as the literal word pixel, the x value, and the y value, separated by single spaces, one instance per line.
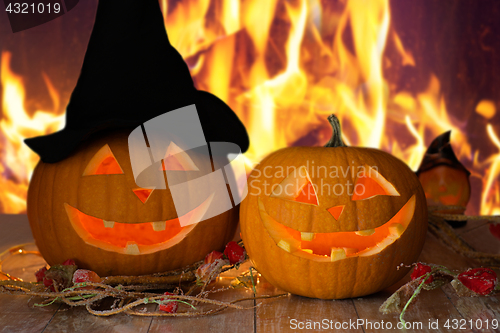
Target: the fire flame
pixel 490 198
pixel 283 67
pixel 17 160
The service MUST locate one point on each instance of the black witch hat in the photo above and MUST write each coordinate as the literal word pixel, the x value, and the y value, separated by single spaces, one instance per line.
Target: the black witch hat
pixel 441 153
pixel 130 74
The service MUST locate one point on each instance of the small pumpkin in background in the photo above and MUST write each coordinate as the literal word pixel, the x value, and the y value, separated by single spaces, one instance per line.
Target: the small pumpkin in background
pixel 333 222
pixel 89 208
pixel 445 180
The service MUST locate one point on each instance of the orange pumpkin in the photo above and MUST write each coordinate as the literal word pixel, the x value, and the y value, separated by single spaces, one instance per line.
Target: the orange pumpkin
pixel 333 222
pixel 89 208
pixel 444 179
pixel 444 185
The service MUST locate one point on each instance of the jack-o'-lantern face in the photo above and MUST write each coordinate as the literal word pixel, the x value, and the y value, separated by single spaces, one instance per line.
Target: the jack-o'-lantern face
pixel 133 238
pixel 444 185
pixel 89 208
pixel 333 222
pixel 333 246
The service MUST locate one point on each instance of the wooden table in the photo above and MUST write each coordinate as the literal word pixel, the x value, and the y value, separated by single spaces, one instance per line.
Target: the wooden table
pixel 286 314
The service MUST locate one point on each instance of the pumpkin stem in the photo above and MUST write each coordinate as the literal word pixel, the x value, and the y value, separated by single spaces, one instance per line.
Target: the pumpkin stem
pixel 336 139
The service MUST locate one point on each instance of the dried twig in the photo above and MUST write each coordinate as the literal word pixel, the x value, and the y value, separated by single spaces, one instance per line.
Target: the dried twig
pixel 448 235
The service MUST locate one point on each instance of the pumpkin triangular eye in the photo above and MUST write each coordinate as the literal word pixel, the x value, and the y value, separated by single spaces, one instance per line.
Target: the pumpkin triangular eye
pixel 177 159
pixel 143 193
pixel 336 211
pixel 297 186
pixel 103 163
pixel 370 184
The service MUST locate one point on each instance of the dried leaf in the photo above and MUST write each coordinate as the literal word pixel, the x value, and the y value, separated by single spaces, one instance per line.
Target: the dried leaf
pixel 398 300
pixel 440 279
pixel 61 275
pixel 462 290
pixel 207 273
pixel 244 281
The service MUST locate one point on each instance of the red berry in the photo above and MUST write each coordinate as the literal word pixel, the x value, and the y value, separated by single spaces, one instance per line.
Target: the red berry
pixel 49 283
pixel 171 306
pixel 212 256
pixel 84 275
pixel 69 262
pixel 40 277
pixel 480 280
pixel 495 229
pixel 234 253
pixel 40 274
pixel 421 270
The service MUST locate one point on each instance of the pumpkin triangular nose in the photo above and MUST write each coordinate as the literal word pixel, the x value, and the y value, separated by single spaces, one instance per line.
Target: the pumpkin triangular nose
pixel 143 193
pixel 336 211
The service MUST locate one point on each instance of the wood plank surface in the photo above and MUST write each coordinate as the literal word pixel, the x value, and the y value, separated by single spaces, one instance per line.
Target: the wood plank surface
pixel 479 310
pixel 15 313
pixel 286 314
pixel 296 313
pixel 77 319
pixel 230 320
pixel 481 239
pixel 17 316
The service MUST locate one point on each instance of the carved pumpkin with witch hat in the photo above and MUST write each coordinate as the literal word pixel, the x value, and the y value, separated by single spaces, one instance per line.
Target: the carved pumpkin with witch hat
pixel 84 201
pixel 444 179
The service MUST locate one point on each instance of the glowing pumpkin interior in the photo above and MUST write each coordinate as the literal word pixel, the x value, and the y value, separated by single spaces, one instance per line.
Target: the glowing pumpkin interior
pixel 328 247
pixel 133 238
pixel 103 163
pixel 143 193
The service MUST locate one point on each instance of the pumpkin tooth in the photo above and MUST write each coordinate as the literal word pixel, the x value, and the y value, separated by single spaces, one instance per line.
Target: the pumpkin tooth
pixel 285 245
pixel 289 245
pixel 132 248
pixel 159 226
pixel 366 232
pixel 108 224
pixel 337 254
pixel 307 236
pixel 396 229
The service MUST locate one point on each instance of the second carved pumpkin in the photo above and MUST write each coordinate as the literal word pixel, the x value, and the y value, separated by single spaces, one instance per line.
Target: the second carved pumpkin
pixel 333 222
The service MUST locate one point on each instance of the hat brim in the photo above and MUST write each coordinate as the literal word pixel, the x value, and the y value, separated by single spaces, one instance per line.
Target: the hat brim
pixel 219 123
pixel 55 147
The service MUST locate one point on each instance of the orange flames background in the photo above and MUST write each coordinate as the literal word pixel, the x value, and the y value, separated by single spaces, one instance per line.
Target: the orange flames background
pixel 283 67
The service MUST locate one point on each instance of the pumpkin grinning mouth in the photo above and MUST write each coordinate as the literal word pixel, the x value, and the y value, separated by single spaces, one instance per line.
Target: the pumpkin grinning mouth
pixel 133 238
pixel 333 246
